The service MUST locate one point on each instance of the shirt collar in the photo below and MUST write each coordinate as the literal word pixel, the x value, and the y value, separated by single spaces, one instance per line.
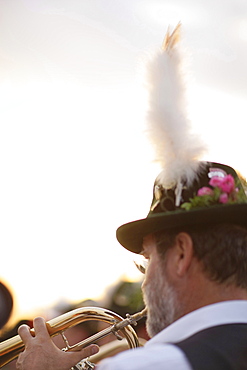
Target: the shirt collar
pixel 228 312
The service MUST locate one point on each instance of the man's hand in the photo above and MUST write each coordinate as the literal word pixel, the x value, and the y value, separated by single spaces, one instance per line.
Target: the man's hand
pixel 42 354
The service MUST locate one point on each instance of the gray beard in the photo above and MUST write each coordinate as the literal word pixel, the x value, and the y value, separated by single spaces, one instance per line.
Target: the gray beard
pixel 162 306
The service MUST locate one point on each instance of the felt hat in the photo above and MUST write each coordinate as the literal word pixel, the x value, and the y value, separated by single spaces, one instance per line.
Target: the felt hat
pixel 215 196
pixel 188 191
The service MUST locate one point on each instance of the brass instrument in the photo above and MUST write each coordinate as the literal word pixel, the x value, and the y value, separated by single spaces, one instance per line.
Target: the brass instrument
pixel 11 348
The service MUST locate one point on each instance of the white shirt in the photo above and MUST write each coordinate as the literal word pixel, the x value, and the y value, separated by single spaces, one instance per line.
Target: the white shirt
pixel 159 354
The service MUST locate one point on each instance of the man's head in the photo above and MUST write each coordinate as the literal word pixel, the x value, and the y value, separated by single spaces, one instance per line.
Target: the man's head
pixel 188 269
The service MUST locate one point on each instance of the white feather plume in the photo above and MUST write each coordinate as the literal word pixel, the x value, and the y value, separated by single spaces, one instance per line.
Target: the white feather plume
pixel 176 149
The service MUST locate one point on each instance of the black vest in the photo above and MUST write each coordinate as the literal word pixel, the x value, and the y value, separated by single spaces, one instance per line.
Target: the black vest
pixel 222 347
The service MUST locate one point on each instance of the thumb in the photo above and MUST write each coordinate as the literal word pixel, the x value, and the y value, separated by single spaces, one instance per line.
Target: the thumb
pixel 90 350
pixel 84 353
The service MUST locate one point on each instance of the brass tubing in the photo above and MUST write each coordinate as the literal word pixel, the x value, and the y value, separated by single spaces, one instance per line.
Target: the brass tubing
pixel 11 348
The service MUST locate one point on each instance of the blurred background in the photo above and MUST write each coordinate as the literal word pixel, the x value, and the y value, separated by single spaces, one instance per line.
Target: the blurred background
pixel 74 160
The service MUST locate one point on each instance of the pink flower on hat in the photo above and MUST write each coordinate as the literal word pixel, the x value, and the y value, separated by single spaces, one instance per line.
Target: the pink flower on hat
pixel 223 198
pixel 216 181
pixel 224 192
pixel 205 191
pixel 226 184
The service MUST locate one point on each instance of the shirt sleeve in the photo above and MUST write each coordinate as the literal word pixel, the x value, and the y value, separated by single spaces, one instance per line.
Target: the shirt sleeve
pixel 158 357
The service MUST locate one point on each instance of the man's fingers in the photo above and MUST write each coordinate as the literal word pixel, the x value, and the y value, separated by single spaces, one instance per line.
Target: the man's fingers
pixel 24 333
pixel 41 353
pixel 40 328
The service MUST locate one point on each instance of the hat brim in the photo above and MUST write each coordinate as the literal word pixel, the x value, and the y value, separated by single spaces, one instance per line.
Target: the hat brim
pixel 131 235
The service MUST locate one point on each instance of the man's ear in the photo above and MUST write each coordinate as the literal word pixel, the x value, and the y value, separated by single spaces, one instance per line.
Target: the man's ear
pixel 183 253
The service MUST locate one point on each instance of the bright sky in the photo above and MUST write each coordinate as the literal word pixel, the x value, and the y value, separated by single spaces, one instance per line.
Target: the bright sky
pixel 74 161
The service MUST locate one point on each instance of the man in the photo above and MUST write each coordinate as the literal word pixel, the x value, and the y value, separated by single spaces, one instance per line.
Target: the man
pixel 195 286
pixel 194 241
